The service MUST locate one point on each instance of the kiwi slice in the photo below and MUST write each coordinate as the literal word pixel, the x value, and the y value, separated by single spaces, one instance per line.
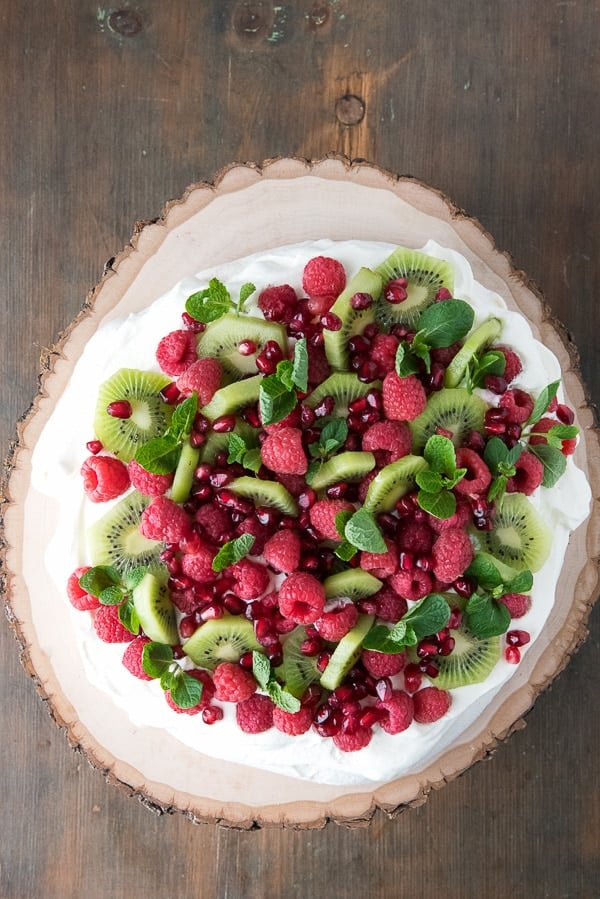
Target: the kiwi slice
pixel 222 338
pixel 481 337
pixel 348 466
pixel 155 610
pixel 232 398
pixel 150 415
pixel 297 671
pixel 353 583
pixel 392 482
pixel 265 493
pixel 519 538
pixel 344 387
pixel 353 320
pixel 453 410
pixel 184 473
pixel 346 653
pixel 223 639
pixel 115 539
pixel 424 274
pixel 470 662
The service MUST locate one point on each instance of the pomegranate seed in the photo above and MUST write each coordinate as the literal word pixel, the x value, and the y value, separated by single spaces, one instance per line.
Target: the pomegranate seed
pixel 325 407
pixel 358 405
pixel 429 669
pixel 444 432
pixel 476 441
pixel 264 365
pixel 203 472
pixel 412 678
pixel 170 394
pixel 447 646
pixel 197 440
pixel 383 688
pixel 220 478
pixel 307 416
pixel 231 501
pixel 337 491
pixel 212 611
pixel 455 618
pixel 361 301
pixel 202 493
pixel 370 331
pixel 330 723
pixel 273 351
pixel 518 638
pixel 224 424
pixel 427 648
pixel 94 447
pixel 371 716
pixel 120 409
pixel 267 516
pixel 251 415
pixel 513 431
pixel 192 324
pixel 512 654
pixel 312 695
pixel 312 646
pixel 307 498
pixel 564 414
pixel 443 294
pixel 187 626
pixel 359 344
pixel 246 347
pixel 406 561
pixel 495 384
pixel 233 604
pixel 212 714
pixel 395 291
pixel 369 371
pixel 497 414
pixel 201 424
pixel 191 543
pixel 323 660
pixel 465 587
pixel 330 321
pixel 424 563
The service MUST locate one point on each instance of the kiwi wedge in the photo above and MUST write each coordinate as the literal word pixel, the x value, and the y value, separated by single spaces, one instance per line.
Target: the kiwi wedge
pixel 184 473
pixel 346 653
pixel 348 466
pixel 453 410
pixel 392 482
pixel 222 338
pixel 115 539
pixel 221 640
pixel 265 493
pixel 155 610
pixel 230 399
pixel 519 538
pixel 353 583
pixel 425 276
pixel 353 320
pixel 344 387
pixel 470 662
pixel 150 415
pixel 480 338
pixel 297 671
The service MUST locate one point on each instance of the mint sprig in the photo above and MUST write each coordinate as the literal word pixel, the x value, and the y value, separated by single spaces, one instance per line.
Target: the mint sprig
pixel 233 551
pixel 440 325
pixel 238 451
pixel 436 482
pixel 331 438
pixel 277 395
pixel 215 301
pixel 159 664
pixel 428 616
pixel 111 589
pixel 160 455
pixel 501 462
pixel 265 678
pixel 484 614
pixel 361 531
pixel 489 362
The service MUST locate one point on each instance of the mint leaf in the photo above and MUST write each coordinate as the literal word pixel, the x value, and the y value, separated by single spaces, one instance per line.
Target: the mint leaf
pixel 492 362
pixel 380 639
pixel 112 596
pixel 134 577
pixel 486 617
pixel 405 363
pixel 341 520
pixel 522 583
pixel 441 505
pixel 484 572
pixel 553 461
pixel 186 691
pixel 99 578
pixel 282 698
pixel 446 322
pixel 246 291
pixel 182 421
pixel 156 658
pixel 430 481
pixel 236 448
pixel 428 616
pixel 129 617
pixel 497 489
pixel 496 451
pixel 300 369
pixel 252 460
pixel 275 400
pixel 363 532
pixel 159 455
pixel 345 551
pixel 232 551
pixel 439 452
pixel 210 304
pixel 543 401
pixel 285 373
pixel 261 669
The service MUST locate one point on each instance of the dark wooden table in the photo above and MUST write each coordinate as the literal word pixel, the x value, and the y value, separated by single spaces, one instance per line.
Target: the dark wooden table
pixel 109 112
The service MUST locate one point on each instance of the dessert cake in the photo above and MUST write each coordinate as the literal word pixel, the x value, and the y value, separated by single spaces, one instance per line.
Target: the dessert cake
pixel 289 536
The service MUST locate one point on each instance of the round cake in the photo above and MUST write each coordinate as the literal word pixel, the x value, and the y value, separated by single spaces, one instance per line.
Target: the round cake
pixel 301 521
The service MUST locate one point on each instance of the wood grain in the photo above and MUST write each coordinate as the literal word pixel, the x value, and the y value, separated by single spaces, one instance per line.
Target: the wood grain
pixel 102 122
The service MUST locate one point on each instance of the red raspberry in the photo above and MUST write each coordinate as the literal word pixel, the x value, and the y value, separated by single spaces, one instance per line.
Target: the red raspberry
pixel 147 483
pixel 458 520
pixel 109 628
pixel 282 551
pixel 383 352
pixel 283 452
pixel 452 553
pixel 233 683
pixel 204 377
pixel 518 405
pixel 431 704
pixel 318 365
pixel 336 622
pixel 251 579
pixel 261 534
pixel 322 516
pixel 291 420
pixel 383 664
pixel 132 657
pixel 278 304
pixel 198 565
pixel 413 584
pixel 414 537
pixel 301 598
pixel 164 520
pixel 529 474
pixel 542 427
pixel 255 715
pixel 513 363
pixel 400 712
pixel 323 276
pixel 104 478
pixel 387 605
pixel 176 351
pixel 352 742
pixel 518 604
pixel 363 487
pixel 403 398
pixel 214 521
pixel 380 565
pixel 393 437
pixel 293 723
pixel 78 598
pixel 208 692
pixel 478 476
pixel 293 483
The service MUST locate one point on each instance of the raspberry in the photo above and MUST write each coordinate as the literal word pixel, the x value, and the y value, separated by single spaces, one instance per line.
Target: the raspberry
pixel 383 664
pixel 204 377
pixel 261 534
pixel 478 476
pixel 208 692
pixel 392 436
pixel 164 520
pixel 283 452
pixel 233 683
pixel 542 427
pixel 198 565
pixel 414 537
pixel 363 487
pixel 251 579
pixel 214 521
pixel 291 420
pixel 301 598
pixel 78 598
pixel 400 712
pixel 529 474
pixel 147 483
pixel 323 276
pixel 322 516
pixel 255 715
pixel 452 553
pixel 176 351
pixel 352 742
pixel 403 398
pixel 104 478
pixel 380 565
pixel 336 622
pixel 387 605
pixel 109 628
pixel 278 304
pixel 293 723
pixel 293 483
pixel 132 658
pixel 282 551
pixel 458 520
pixel 518 405
pixel 413 585
pixel 318 365
pixel 383 352
pixel 513 363
pixel 518 604
pixel 431 704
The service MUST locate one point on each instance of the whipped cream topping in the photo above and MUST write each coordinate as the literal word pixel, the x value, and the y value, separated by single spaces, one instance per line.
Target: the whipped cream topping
pixel 131 342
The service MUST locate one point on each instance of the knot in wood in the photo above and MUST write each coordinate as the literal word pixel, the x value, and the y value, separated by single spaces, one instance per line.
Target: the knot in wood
pixel 125 22
pixel 350 109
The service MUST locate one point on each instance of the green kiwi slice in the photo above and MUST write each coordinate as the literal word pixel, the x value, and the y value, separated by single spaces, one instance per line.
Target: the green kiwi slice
pixel 344 387
pixel 297 671
pixel 392 482
pixel 353 583
pixel 353 320
pixel 230 399
pixel 155 610
pixel 222 338
pixel 425 276
pixel 481 337
pixel 223 639
pixel 265 493
pixel 115 539
pixel 470 662
pixel 150 415
pixel 184 473
pixel 346 653
pixel 348 466
pixel 519 538
pixel 453 410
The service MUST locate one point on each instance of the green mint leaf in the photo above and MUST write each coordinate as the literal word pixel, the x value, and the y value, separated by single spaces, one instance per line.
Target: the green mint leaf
pixel 497 488
pixel 421 351
pixel 484 572
pixel 186 691
pixel 312 469
pixel 363 532
pixel 345 551
pixel 300 369
pixel 134 577
pixel 341 520
pixel 168 679
pixel 282 698
pixel 285 373
pixel 246 291
pixel 542 402
pixel 439 452
pixel 431 481
pixel 156 658
pixel 98 578
pixel 112 596
pixel 159 455
pixel 446 322
pixel 275 400
pixel 553 461
pixel 182 421
pixel 522 583
pixel 379 639
pixel 441 505
pixel 405 364
pixel 398 631
pixel 232 551
pixel 334 433
pixel 428 616
pixel 563 432
pixel 512 456
pixel 236 448
pixel 252 460
pixel 261 669
pixel 129 617
pixel 496 451
pixel 210 304
pixel 491 362
pixel 486 617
